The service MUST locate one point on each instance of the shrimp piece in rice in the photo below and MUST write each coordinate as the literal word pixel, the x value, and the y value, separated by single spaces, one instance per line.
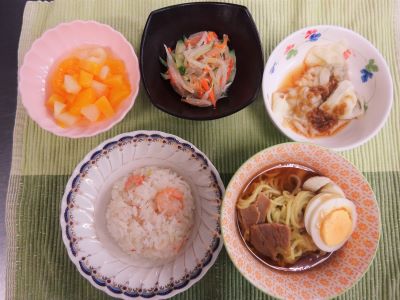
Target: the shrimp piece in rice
pixel 169 201
pixel 133 181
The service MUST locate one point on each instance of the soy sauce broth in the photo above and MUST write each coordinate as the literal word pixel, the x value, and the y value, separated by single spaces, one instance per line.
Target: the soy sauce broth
pixel 282 174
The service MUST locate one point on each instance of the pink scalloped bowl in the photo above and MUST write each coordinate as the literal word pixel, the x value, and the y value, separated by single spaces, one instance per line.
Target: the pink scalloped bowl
pixel 346 266
pixel 54 44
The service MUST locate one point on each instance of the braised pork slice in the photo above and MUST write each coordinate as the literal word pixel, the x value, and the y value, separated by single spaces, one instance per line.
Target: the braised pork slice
pixel 270 239
pixel 249 216
pixel 263 205
pixel 255 213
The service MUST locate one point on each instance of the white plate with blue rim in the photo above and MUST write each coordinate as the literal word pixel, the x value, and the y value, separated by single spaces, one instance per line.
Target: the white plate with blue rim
pixel 367 71
pixel 92 248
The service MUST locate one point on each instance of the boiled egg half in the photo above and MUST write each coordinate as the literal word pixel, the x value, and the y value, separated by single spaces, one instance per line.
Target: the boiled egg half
pixel 330 220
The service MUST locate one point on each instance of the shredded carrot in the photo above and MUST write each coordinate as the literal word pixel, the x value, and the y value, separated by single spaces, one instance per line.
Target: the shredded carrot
pixel 204 84
pixel 212 97
pixel 225 38
pixel 199 89
pixel 230 67
pixel 211 35
pixel 215 51
pixel 193 41
pixel 223 44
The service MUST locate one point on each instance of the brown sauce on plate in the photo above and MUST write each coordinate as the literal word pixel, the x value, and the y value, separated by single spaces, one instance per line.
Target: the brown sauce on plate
pixel 325 126
pixel 292 77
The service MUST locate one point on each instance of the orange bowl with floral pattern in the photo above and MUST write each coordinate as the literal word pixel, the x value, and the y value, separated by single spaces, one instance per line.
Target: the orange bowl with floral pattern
pixel 346 266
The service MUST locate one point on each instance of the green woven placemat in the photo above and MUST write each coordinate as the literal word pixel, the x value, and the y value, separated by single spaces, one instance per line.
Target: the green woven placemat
pixel 37 263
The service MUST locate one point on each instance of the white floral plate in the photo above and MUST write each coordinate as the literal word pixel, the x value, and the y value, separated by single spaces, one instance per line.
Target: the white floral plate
pixel 368 72
pixel 91 247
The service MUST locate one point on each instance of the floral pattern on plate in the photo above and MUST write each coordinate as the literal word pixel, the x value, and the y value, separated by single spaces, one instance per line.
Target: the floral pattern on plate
pixel 312 35
pixel 88 241
pixel 369 70
pixel 346 266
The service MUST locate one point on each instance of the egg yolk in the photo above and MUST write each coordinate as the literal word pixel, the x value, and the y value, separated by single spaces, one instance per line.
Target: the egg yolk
pixel 336 227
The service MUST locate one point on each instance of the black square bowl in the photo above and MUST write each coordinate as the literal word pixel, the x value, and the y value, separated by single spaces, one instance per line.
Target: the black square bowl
pixel 169 24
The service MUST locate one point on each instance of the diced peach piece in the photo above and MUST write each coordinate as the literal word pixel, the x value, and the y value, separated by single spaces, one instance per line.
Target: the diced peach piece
pixel 52 99
pixel 61 124
pixel 66 119
pixel 73 110
pixel 70 66
pixel 114 80
pixel 117 95
pixel 70 99
pixel 100 88
pixel 57 82
pixel 85 79
pixel 68 63
pixel 85 97
pixel 71 85
pixel 59 107
pixel 116 66
pixel 89 66
pixel 104 106
pixel 91 112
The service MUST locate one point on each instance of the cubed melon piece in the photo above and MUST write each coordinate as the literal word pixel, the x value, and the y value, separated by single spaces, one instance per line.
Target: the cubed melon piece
pixel 97 55
pixel 100 88
pixel 105 70
pixel 59 107
pixel 105 106
pixel 117 95
pixel 116 66
pixel 91 112
pixel 71 85
pixel 85 78
pixel 89 66
pixel 52 99
pixel 66 119
pixel 82 53
pixel 114 80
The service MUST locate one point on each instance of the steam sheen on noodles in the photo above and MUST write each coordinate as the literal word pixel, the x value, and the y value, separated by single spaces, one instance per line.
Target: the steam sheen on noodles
pixel 288 203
